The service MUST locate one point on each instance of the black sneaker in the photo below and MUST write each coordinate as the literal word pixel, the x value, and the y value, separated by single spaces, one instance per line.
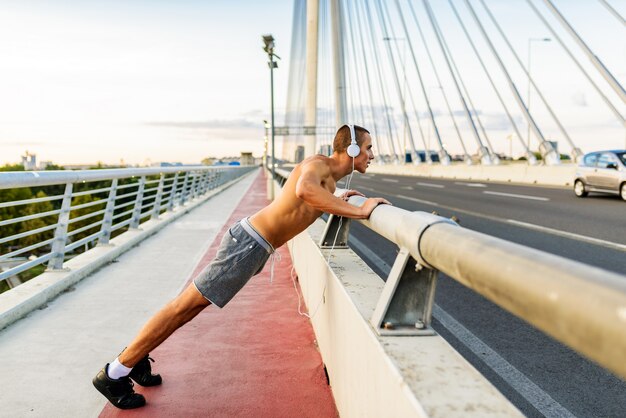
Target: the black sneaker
pixel 119 392
pixel 142 373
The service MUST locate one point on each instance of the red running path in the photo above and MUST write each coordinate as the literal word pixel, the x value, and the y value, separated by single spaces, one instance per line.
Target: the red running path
pixel 257 357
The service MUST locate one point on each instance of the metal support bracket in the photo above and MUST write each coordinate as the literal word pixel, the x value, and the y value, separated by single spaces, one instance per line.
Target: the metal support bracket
pixel 406 302
pixel 339 227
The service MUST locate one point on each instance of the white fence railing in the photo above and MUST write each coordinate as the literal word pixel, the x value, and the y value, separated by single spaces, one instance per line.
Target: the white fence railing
pixel 94 205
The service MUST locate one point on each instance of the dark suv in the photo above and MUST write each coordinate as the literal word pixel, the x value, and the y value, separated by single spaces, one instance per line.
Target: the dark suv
pixel 602 171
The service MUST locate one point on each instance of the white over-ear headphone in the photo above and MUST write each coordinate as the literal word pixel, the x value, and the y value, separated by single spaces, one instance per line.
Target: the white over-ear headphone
pixel 353 149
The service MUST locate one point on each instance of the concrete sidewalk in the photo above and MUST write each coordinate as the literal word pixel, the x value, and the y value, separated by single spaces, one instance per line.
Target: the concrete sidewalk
pixel 255 357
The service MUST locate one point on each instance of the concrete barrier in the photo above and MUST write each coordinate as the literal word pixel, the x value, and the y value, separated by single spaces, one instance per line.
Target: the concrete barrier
pixel 561 175
pixel 378 376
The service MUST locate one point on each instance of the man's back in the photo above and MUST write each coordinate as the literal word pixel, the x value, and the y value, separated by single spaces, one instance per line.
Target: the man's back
pixel 289 214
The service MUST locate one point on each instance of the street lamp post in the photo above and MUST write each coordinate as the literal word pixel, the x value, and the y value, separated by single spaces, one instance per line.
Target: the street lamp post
pixel 269 48
pixel 530 41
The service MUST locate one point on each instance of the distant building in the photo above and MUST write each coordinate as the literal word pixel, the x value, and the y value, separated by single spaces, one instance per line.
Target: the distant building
pixel 246 158
pixel 166 164
pixel 29 161
pixel 299 153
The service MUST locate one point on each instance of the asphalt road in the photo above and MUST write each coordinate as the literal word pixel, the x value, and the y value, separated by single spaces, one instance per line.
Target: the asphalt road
pixel 539 375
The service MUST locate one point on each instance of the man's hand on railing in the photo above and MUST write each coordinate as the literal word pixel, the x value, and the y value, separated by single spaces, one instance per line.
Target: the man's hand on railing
pixel 370 204
pixel 345 196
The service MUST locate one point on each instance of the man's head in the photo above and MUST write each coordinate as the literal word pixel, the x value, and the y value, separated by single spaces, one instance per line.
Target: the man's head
pixel 342 137
pixel 364 141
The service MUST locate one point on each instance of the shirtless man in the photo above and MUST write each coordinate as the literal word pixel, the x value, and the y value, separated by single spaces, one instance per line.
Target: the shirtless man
pixel 243 252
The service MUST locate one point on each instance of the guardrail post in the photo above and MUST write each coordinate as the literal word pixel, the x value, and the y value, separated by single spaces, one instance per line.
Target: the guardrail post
pixel 205 182
pixel 183 192
pixel 170 203
pixel 107 221
pixel 157 201
pixel 134 223
pixel 60 234
pixel 194 186
pixel 336 233
pixel 406 302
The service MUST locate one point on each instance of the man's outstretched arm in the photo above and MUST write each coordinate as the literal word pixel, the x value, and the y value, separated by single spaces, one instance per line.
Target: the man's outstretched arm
pixel 309 188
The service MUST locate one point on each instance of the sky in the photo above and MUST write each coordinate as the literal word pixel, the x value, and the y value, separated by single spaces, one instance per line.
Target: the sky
pixel 134 80
pixel 143 81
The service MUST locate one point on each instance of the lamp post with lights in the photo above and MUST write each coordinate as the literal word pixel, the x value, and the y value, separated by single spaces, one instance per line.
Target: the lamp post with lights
pixel 269 48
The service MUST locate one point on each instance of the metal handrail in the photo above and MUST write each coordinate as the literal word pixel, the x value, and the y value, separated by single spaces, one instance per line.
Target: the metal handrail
pixel 581 306
pixel 15 179
pixel 29 201
pixel 149 200
pixel 29 217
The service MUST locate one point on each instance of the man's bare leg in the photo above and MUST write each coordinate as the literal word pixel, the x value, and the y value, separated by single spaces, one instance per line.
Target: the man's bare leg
pixel 171 317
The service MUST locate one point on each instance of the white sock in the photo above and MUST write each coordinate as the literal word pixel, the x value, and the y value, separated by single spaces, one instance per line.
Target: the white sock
pixel 117 369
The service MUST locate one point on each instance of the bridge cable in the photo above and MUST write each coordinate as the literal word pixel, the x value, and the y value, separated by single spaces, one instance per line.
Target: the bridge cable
pixel 547 147
pixel 294 112
pixel 350 12
pixel 353 65
pixel 390 67
pixel 580 67
pixel 529 155
pixel 467 157
pixel 360 18
pixel 494 157
pixel 413 102
pixel 576 152
pixel 615 85
pixel 388 39
pixel 483 151
pixel 368 15
pixel 613 12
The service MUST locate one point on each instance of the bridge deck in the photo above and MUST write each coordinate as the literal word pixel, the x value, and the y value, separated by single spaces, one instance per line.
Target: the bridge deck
pixel 256 357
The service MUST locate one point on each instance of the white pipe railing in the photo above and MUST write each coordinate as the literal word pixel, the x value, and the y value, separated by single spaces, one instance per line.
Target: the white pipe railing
pixel 581 306
pixel 166 194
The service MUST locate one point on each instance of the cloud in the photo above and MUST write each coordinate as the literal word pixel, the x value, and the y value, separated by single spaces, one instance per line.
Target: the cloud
pixel 239 123
pixel 22 143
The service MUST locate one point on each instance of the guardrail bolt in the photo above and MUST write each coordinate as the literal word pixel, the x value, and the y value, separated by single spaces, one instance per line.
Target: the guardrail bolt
pixel 418 267
pixel 420 325
pixel 455 219
pixel 388 325
pixel 434 212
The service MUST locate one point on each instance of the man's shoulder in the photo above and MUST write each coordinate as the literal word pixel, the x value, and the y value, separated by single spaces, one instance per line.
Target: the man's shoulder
pixel 316 162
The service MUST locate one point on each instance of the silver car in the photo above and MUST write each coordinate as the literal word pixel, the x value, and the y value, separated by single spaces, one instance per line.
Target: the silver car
pixel 602 171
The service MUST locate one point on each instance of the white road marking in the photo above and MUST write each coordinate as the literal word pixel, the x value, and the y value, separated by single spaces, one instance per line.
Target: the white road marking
pixel 427 202
pixel 577 237
pixel 436 186
pixel 390 180
pixel 367 188
pixel 541 400
pixel 470 184
pixel 614 245
pixel 519 196
pixel 407 187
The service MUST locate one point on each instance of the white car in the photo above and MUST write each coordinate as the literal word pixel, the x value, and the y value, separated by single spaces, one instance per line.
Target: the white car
pixel 603 172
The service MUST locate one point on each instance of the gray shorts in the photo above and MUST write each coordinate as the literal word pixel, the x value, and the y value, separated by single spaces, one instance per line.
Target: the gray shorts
pixel 242 254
